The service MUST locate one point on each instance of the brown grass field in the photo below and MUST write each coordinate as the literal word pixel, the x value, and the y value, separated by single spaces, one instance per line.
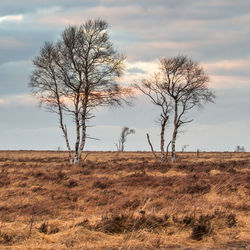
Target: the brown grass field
pixel 124 201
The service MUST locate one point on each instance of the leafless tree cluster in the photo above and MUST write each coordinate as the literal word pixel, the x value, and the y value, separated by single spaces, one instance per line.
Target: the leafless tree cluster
pixel 77 74
pixel 178 86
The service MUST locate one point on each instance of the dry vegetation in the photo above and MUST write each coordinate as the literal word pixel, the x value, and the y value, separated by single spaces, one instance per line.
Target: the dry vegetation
pixel 124 201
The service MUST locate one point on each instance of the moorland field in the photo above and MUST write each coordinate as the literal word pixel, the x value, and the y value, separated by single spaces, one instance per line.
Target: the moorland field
pixel 124 200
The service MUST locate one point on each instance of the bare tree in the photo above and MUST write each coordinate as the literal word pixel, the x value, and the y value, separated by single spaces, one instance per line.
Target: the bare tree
pixel 153 89
pixel 185 82
pixel 178 86
pixel 184 147
pixel 77 74
pixel 240 149
pixel 121 143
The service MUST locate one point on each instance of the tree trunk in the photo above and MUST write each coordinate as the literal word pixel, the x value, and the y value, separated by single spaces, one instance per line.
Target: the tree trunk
pixel 163 126
pixel 173 145
pixel 76 158
pixel 77 143
pixel 122 146
pixel 63 127
pixel 167 149
pixel 122 141
pixel 173 156
pixel 83 140
pixel 84 128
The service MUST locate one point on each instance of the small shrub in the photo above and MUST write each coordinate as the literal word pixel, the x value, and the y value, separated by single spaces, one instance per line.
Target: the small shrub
pixel 113 224
pixel 188 220
pixel 102 184
pixel 197 188
pixel 36 189
pixel 5 238
pixel 61 175
pixel 231 220
pixel 48 229
pixel 116 224
pixel 38 174
pixel 4 180
pixel 43 228
pixel 201 228
pixel 71 184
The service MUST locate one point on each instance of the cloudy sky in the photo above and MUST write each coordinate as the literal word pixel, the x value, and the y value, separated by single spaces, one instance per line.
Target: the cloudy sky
pixel 215 33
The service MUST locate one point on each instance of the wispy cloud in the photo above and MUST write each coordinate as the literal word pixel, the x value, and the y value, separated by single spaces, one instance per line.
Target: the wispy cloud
pixel 224 81
pixel 10 43
pixel 137 70
pixel 223 74
pixel 229 73
pixel 229 65
pixel 11 18
pixel 25 100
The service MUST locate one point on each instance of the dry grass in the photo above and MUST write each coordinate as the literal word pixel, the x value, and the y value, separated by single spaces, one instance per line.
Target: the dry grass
pixel 124 201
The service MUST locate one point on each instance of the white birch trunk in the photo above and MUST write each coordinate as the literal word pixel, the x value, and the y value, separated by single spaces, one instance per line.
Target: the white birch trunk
pixel 163 125
pixel 173 156
pixel 77 122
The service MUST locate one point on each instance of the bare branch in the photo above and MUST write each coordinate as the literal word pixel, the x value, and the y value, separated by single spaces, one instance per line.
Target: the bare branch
pixel 151 146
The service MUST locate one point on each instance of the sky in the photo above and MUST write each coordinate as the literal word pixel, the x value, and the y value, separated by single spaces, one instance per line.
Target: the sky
pixel 214 33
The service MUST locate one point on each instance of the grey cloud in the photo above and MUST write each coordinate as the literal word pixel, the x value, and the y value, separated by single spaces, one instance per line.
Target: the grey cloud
pixel 30 41
pixel 138 25
pixel 27 6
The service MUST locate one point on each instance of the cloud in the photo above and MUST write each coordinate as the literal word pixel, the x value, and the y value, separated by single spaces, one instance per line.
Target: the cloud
pixel 137 70
pixel 229 73
pixel 145 67
pixel 62 17
pixel 14 100
pixel 11 18
pixel 11 43
pixel 224 81
pixel 160 29
pixel 229 65
pixel 223 74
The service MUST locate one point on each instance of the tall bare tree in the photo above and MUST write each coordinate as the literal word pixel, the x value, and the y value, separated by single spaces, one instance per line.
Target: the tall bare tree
pixel 123 137
pixel 76 75
pixel 178 86
pixel 185 82
pixel 153 89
